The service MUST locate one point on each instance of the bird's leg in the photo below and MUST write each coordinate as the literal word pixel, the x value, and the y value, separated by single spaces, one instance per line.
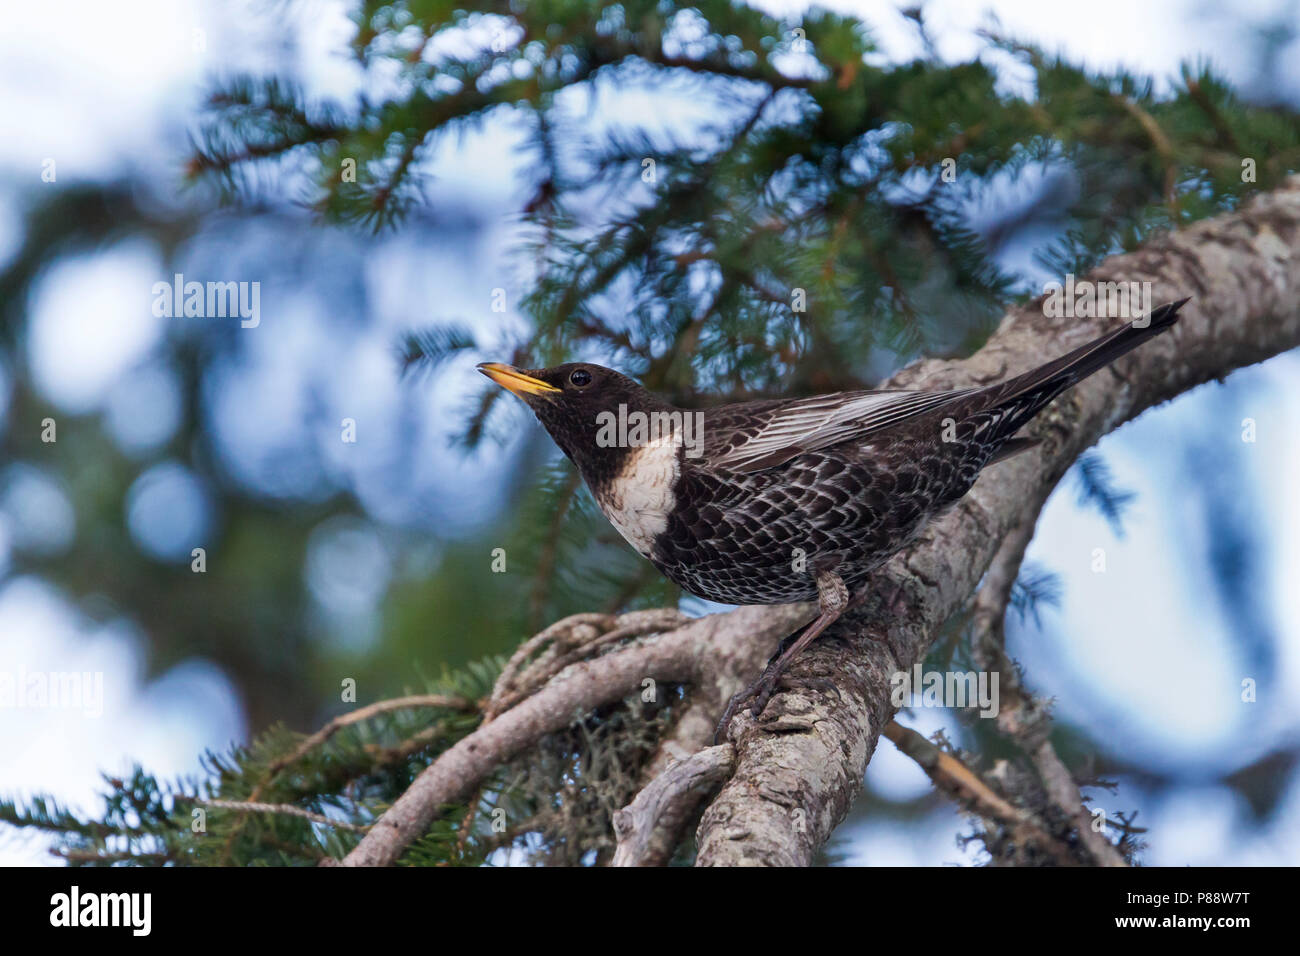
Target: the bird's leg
pixel 833 599
pixel 741 696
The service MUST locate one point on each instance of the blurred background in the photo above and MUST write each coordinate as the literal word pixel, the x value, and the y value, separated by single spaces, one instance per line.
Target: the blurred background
pixel 370 559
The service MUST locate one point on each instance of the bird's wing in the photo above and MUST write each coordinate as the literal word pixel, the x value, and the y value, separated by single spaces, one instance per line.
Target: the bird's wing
pixel 774 433
pixel 760 435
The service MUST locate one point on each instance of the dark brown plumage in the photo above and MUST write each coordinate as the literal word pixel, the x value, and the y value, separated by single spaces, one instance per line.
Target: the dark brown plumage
pixel 779 501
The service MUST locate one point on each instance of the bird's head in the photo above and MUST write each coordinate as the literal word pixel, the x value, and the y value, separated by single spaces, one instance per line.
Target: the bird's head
pixel 577 403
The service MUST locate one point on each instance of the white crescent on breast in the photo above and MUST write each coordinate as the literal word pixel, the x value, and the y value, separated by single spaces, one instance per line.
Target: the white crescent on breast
pixel 638 500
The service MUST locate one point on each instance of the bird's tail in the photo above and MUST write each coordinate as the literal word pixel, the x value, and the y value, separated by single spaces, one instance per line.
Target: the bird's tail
pixel 1017 400
pixel 1032 390
pixel 1096 355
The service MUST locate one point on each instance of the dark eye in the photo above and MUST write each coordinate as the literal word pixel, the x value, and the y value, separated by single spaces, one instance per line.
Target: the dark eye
pixel 580 377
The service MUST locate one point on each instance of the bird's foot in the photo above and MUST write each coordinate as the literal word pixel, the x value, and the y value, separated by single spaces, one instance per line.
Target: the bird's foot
pixel 733 705
pixel 759 692
pixel 833 598
pixel 762 693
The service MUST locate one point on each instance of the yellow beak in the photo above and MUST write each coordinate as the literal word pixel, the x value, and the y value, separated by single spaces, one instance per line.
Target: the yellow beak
pixel 511 379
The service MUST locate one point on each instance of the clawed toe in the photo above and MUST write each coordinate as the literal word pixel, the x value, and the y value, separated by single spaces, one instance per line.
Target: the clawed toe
pixel 733 705
pixel 762 694
pixel 833 599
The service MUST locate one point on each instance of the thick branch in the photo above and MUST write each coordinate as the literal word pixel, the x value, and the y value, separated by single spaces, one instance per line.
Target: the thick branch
pixel 798 772
pixel 713 653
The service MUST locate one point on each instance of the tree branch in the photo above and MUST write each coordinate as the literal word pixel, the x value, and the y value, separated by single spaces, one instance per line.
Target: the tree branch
pixel 799 770
pixel 967 787
pixel 713 653
pixel 649 828
pixel 287 809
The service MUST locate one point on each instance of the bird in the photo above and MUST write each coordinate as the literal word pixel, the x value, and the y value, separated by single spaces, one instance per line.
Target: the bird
pixel 791 499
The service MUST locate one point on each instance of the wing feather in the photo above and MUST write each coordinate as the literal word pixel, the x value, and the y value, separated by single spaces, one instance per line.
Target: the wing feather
pixel 808 424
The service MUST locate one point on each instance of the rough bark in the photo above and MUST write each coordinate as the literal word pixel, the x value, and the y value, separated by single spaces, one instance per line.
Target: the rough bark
pixel 649 827
pixel 714 654
pixel 799 769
